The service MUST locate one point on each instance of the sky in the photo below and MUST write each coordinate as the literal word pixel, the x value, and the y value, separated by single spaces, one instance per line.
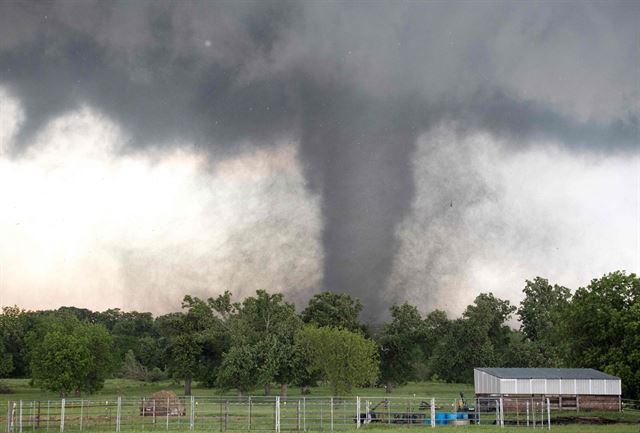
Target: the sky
pixel 396 151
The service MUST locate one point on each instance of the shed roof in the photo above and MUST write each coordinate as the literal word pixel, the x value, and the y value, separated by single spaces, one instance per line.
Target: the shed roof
pixel 548 373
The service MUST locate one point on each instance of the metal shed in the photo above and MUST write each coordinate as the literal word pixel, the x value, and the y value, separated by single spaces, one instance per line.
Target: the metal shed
pixel 568 388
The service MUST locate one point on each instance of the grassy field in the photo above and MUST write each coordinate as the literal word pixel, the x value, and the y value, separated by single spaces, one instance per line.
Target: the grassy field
pixel 132 388
pixel 612 428
pixel 210 413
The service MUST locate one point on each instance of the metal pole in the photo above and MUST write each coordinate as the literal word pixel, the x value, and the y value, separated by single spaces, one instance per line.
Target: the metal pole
pixel 331 415
pixel 357 412
pixel 167 414
pixel 433 412
pixel 527 413
pixel 154 411
pixel 304 413
pixel 191 413
pixel 61 417
pixel 8 416
pixel 497 413
pixel 549 414
pixel 249 428
pixel 278 414
pixel 298 416
pixel 20 417
pixel 118 413
pixel 533 412
pixel 81 412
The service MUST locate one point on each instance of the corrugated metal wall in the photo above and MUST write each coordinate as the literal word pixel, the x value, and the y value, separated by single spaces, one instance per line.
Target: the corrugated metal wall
pixel 486 383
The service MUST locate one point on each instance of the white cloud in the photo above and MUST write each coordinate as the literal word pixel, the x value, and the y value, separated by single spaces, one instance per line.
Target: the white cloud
pixel 84 224
pixel 486 217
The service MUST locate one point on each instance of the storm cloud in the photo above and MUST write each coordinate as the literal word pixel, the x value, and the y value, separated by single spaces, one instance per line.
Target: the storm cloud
pixel 357 87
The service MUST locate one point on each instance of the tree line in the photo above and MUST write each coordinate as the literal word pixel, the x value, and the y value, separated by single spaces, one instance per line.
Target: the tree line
pixel 263 341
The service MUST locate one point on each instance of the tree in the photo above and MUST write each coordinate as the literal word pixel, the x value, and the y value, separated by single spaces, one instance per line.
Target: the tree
pixel 401 345
pixel 268 325
pixel 238 369
pixel 344 358
pixel 195 340
pixel 603 327
pixel 489 314
pixel 333 309
pixel 462 348
pixel 6 360
pixel 479 338
pixel 14 325
pixel 73 356
pixel 542 315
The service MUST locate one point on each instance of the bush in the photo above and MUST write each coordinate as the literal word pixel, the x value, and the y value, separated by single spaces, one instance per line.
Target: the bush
pixel 155 375
pixel 5 388
pixel 132 369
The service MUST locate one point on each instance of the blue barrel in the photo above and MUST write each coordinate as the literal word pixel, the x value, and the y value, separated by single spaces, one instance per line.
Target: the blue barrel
pixel 426 421
pixel 441 418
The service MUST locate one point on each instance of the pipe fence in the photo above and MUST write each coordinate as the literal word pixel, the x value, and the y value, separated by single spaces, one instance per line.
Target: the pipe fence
pixel 126 414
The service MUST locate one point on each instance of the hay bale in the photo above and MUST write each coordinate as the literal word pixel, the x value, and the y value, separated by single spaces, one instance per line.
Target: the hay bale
pixel 162 403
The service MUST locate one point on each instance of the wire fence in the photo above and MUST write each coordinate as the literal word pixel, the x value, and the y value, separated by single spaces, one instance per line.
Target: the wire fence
pixel 274 413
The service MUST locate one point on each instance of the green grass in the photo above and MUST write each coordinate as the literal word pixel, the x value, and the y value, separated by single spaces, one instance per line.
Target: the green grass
pixel 132 388
pixel 612 428
pixel 208 413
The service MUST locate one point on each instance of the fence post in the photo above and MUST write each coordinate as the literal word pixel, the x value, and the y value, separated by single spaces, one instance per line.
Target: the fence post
pixel 549 414
pixel 48 413
pixel 497 413
pixel 8 416
pixel 331 413
pixel 277 420
pixel 118 413
pixel 191 413
pixel 304 413
pixel 61 416
pixel 226 415
pixel 433 412
pixel 249 428
pixel 527 413
pixel 357 412
pixel 501 412
pixel 298 416
pixel 81 412
pixel 533 412
pixel 167 414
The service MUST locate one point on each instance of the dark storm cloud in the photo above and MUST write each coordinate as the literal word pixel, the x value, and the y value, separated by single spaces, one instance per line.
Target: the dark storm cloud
pixel 355 83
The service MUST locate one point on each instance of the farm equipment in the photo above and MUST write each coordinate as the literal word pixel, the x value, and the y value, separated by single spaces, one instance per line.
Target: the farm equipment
pixel 381 413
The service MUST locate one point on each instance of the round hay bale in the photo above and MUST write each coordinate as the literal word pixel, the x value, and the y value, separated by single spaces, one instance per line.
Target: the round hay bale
pixel 162 403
